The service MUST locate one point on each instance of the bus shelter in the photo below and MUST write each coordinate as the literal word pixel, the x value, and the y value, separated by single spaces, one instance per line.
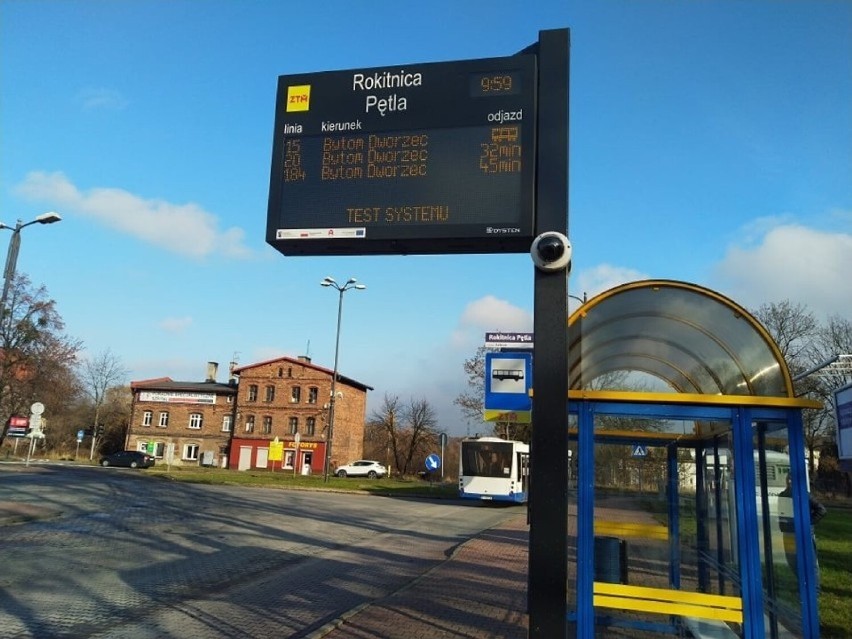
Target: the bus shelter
pixel 691 511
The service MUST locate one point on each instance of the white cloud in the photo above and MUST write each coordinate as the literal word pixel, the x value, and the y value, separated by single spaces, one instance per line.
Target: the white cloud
pixel 100 98
pixel 795 262
pixel 185 229
pixel 489 314
pixel 601 278
pixel 438 374
pixel 175 324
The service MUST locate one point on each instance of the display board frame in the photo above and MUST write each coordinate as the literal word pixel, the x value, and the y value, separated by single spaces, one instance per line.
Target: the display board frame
pixel 433 158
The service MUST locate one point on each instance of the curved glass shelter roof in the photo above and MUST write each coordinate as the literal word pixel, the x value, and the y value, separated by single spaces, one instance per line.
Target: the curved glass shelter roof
pixel 693 339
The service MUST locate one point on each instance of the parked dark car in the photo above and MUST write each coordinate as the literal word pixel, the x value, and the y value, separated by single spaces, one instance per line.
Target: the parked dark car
pixel 128 459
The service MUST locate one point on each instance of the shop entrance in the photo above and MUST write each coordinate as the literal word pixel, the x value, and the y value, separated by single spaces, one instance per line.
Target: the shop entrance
pixel 307 459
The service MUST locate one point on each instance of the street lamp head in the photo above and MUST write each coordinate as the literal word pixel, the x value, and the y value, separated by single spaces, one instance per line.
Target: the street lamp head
pixel 360 287
pixel 48 218
pixel 351 280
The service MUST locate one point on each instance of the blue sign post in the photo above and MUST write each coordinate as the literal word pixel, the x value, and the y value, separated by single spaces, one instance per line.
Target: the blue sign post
pixel 433 462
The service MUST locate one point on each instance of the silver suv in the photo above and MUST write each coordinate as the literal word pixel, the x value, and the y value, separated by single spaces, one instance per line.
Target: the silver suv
pixel 362 468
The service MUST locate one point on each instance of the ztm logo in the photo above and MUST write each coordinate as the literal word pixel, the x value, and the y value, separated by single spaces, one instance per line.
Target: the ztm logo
pixel 299 97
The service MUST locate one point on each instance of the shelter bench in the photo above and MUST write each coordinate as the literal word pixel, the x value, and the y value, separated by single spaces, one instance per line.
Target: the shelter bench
pixel 703 614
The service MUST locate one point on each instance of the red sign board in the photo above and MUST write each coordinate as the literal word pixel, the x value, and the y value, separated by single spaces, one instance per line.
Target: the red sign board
pixel 18 426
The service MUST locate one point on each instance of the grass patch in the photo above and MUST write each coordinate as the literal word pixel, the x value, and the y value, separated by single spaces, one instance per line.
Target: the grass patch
pixel 287 480
pixel 834 550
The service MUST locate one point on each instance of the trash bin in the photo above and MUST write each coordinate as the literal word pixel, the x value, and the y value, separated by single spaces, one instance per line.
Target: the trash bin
pixel 611 560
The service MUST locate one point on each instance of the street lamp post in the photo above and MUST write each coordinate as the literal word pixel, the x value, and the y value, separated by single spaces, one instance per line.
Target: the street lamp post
pixel 351 283
pixel 14 246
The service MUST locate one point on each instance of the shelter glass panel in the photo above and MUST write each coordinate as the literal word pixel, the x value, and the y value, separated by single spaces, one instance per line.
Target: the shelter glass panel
pixel 776 527
pixel 664 529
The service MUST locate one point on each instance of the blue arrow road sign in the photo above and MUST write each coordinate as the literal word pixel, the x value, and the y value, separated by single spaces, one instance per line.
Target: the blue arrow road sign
pixel 433 462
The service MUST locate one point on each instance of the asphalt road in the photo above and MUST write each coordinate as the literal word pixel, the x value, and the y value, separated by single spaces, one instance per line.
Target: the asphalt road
pixel 123 555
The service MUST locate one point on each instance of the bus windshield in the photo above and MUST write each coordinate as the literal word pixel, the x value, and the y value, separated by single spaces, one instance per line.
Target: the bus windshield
pixel 487 459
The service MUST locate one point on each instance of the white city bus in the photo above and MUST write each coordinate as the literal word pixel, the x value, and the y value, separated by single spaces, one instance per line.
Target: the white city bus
pixel 494 469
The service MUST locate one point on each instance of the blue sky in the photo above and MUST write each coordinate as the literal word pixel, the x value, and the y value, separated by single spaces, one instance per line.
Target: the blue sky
pixel 709 142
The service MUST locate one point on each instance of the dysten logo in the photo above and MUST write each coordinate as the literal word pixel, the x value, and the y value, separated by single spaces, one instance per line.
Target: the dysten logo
pixel 299 97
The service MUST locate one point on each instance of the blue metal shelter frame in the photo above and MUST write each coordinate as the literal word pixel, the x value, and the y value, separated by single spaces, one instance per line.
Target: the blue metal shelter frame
pixel 634 328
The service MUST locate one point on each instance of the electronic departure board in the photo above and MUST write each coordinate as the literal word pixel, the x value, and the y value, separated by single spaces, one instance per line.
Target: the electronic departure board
pixel 425 158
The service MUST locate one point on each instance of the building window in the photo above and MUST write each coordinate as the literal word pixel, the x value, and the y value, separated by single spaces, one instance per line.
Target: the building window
pixel 294 425
pixel 270 393
pixel 290 372
pixel 280 372
pixel 147 418
pixel 250 423
pixel 252 393
pixel 267 424
pixel 310 426
pixel 230 399
pixel 164 419
pixel 190 452
pixel 313 395
pixel 195 420
pixel 226 424
pixel 157 449
pixel 295 394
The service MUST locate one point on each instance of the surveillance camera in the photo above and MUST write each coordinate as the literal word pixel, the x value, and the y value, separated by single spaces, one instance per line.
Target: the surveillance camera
pixel 551 251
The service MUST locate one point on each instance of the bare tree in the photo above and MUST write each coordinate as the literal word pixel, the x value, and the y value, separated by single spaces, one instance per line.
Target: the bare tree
pixel 406 430
pixel 472 402
pixel 804 345
pixel 36 358
pixel 383 427
pixel 100 373
pixel 421 423
pixel 834 338
pixel 793 327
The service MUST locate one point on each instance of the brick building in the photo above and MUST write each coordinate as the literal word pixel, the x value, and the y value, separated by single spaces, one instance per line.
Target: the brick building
pixel 283 397
pixel 183 423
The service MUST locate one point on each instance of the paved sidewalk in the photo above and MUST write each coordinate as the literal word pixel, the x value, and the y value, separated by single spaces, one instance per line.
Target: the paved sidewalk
pixel 480 592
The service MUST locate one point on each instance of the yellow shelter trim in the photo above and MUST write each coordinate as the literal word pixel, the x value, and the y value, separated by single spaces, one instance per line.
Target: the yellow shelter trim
pixel 664 601
pixel 693 399
pixel 631 529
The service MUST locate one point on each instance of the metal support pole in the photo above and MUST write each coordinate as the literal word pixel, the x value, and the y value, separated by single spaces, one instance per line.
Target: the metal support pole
pixel 333 388
pixel 548 549
pixel 11 263
pixel 351 283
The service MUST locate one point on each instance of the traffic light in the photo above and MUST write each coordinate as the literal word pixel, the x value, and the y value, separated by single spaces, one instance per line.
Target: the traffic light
pixel 99 430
